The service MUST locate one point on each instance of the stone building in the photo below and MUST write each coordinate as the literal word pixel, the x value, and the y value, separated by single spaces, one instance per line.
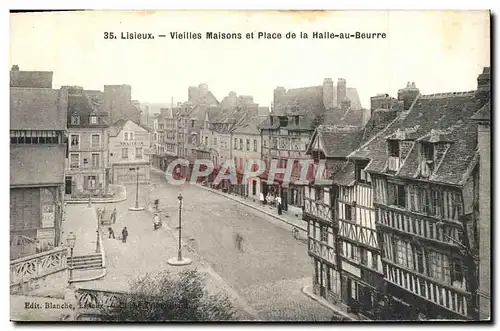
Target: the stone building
pixel 129 150
pixel 287 131
pixel 37 156
pixel 117 101
pixel 246 146
pixel 483 119
pixel 87 167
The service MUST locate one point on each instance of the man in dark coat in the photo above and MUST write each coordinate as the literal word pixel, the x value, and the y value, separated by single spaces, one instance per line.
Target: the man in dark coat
pixel 124 235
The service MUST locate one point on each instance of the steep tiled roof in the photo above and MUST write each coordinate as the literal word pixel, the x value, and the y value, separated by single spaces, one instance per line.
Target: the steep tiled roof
pixel 38 109
pixel 449 115
pixel 266 124
pixel 337 141
pixel 483 114
pixel 37 164
pixel 349 117
pixel 346 176
pixel 250 126
pixel 81 104
pixel 300 101
pixel 118 126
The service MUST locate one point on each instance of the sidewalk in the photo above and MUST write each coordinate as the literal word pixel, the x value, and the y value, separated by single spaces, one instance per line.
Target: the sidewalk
pixel 286 218
pixel 147 251
pixel 82 221
pixel 120 195
pixel 308 291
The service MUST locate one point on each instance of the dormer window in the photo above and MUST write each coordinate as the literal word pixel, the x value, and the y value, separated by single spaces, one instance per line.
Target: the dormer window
pixel 427 159
pixel 283 121
pixel 394 148
pixel 394 156
pixel 361 175
pixel 75 120
pixel 428 151
pixel 296 120
pixel 93 119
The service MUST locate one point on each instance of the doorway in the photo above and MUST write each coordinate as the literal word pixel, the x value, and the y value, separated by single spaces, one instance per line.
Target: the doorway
pixel 67 184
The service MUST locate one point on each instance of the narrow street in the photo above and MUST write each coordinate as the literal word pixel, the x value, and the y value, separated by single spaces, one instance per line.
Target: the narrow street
pixel 269 271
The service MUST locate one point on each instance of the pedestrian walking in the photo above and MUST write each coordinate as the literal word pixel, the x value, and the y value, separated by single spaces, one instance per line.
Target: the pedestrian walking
pixel 239 241
pixel 103 213
pixel 278 202
pixel 124 235
pixel 111 233
pixel 261 198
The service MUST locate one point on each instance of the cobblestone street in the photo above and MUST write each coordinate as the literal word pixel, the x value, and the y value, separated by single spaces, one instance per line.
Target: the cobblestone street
pixel 272 267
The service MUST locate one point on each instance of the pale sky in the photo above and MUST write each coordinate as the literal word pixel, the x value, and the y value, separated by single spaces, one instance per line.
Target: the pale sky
pixel 439 51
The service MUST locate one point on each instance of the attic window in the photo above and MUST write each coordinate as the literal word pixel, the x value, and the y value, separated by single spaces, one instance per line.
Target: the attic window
pixel 394 148
pixel 361 175
pixel 93 119
pixel 296 120
pixel 192 123
pixel 75 120
pixel 283 121
pixel 428 151
pixel 427 160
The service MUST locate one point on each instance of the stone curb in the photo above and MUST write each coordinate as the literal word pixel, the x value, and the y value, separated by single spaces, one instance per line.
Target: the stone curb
pixel 95 200
pixel 254 207
pixel 306 291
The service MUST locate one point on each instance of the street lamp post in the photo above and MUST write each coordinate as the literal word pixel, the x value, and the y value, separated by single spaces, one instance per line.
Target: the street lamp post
pixel 136 207
pixel 97 245
pixel 71 241
pixel 179 261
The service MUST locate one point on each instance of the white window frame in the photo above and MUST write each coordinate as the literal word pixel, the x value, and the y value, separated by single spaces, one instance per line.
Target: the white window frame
pixel 135 154
pixel 129 135
pixel 70 163
pixel 99 144
pixel 93 119
pixel 70 139
pixel 121 154
pixel 99 160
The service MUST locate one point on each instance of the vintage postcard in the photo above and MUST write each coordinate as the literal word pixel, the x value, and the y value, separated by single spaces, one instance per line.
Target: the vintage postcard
pixel 250 166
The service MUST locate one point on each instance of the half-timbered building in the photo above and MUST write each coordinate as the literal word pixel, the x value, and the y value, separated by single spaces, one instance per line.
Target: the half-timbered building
pixel 421 170
pixel 331 145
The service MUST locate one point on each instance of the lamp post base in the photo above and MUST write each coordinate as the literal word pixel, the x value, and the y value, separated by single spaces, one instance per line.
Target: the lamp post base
pixel 136 208
pixel 176 262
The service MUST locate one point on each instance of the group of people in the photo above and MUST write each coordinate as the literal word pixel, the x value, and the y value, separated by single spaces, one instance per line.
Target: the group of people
pixel 124 234
pixel 272 200
pixel 111 232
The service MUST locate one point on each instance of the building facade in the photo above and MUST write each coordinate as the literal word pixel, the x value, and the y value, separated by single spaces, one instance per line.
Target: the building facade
pixel 170 138
pixel 129 150
pixel 117 101
pixel 421 168
pixel 483 119
pixel 341 227
pixel 37 157
pixel 158 142
pixel 288 130
pixel 87 167
pixel 246 146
